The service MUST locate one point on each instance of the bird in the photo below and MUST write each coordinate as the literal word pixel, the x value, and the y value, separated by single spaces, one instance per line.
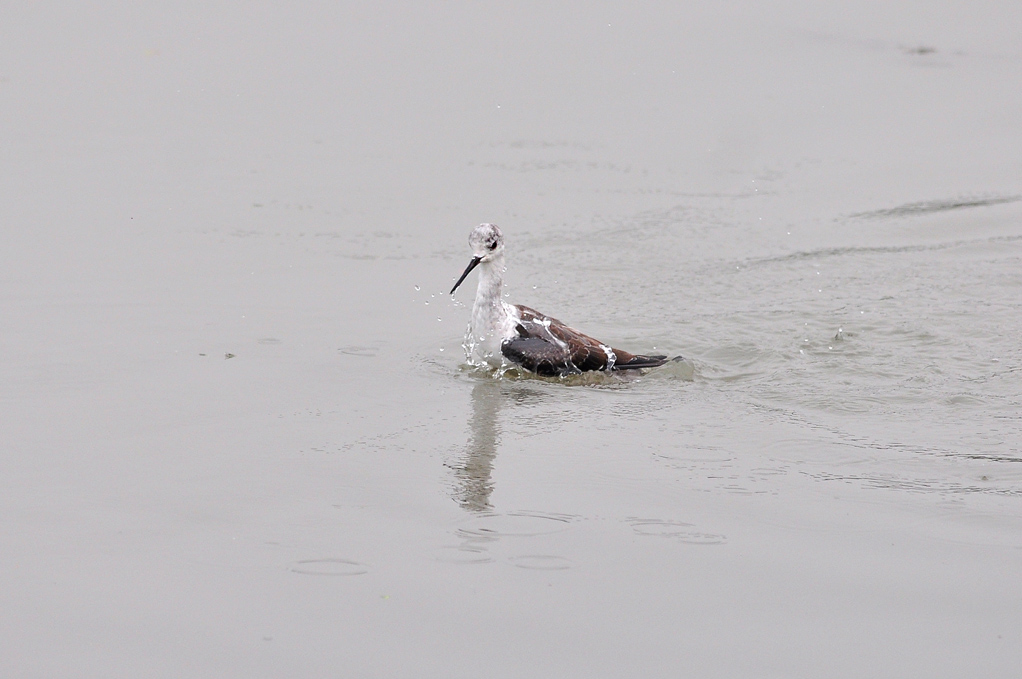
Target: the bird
pixel 524 337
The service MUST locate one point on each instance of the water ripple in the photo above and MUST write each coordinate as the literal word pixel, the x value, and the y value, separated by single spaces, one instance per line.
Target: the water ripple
pixel 930 206
pixel 329 567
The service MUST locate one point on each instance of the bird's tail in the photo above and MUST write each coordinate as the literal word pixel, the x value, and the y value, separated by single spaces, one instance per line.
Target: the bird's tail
pixel 637 362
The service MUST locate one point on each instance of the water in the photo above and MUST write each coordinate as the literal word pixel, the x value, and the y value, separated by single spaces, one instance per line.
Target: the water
pixel 239 435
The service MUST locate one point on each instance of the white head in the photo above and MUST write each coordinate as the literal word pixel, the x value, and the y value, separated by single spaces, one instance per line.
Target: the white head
pixel 487 245
pixel 487 242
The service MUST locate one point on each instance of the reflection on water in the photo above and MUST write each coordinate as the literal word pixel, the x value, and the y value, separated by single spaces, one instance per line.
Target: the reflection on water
pixel 473 470
pixel 473 482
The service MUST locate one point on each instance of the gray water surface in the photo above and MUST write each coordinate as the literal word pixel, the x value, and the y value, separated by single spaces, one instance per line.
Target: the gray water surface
pixel 239 435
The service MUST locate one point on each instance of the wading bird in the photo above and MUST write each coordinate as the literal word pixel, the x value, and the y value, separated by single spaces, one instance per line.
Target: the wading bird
pixel 522 336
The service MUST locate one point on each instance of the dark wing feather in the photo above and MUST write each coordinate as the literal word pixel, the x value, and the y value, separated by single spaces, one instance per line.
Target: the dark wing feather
pixel 535 354
pixel 548 347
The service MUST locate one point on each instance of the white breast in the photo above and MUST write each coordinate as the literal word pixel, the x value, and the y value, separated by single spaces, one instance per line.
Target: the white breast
pixel 491 325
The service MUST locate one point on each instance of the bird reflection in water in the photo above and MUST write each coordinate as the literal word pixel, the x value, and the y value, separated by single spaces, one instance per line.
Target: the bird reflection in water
pixel 473 475
pixel 473 472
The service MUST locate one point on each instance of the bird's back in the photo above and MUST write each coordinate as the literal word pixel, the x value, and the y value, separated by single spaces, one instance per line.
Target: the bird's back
pixel 549 347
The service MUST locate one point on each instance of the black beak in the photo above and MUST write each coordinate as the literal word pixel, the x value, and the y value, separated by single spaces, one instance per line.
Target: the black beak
pixel 468 269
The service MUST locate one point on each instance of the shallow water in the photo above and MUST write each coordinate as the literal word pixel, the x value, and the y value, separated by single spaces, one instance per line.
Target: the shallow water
pixel 240 436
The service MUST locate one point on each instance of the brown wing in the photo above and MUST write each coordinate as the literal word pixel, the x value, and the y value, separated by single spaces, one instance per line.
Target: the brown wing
pixel 548 347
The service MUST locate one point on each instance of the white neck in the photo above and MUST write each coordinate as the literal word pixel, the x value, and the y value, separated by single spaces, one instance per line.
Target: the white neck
pixel 491 320
pixel 488 303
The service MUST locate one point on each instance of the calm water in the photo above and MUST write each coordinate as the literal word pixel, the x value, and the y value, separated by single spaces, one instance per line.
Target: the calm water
pixel 240 437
